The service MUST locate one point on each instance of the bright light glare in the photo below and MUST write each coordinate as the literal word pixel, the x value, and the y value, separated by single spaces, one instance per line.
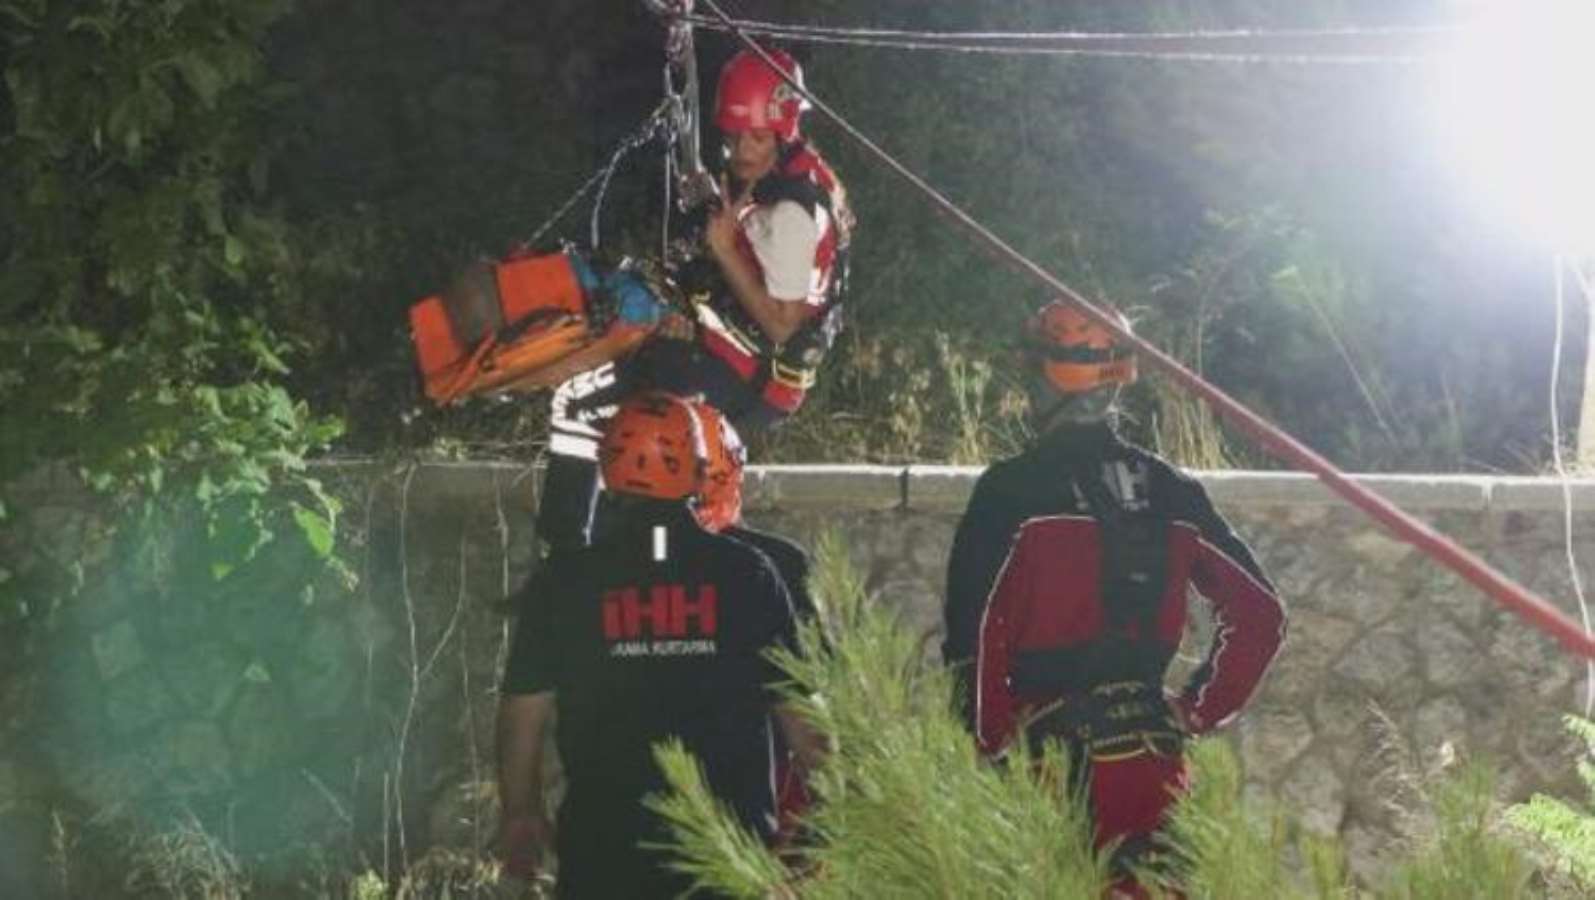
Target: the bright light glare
pixel 1514 103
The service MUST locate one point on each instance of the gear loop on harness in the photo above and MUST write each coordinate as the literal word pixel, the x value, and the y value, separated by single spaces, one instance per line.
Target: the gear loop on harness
pixel 1111 722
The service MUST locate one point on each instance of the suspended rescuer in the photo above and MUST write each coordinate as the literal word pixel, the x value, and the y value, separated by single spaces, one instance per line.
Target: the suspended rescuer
pixel 766 292
pixel 1067 589
pixel 657 629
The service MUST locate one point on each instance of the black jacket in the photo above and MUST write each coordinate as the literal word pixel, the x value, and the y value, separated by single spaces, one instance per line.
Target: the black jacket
pixel 659 629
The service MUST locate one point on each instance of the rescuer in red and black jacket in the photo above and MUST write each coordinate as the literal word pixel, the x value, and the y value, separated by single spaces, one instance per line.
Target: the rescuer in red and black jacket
pixel 1067 591
pixel 766 287
pixel 658 629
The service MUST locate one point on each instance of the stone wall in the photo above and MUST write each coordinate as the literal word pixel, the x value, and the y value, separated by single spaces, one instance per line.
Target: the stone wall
pixel 355 726
pixel 1390 661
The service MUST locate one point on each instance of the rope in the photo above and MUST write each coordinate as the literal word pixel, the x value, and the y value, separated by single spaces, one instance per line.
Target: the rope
pixel 1566 482
pixel 650 129
pixel 1535 610
pixel 664 219
pixel 639 136
pixel 1343 45
pixel 749 26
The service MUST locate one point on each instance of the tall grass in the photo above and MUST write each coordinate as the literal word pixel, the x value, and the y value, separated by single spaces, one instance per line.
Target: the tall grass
pixel 1186 431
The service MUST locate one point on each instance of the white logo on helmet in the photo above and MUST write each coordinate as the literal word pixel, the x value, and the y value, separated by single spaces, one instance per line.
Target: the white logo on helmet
pixel 783 94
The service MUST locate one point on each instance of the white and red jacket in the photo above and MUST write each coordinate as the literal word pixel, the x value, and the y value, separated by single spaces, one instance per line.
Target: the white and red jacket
pixel 795 211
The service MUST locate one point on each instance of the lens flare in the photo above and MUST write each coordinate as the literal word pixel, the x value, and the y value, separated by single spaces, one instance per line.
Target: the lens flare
pixel 1513 104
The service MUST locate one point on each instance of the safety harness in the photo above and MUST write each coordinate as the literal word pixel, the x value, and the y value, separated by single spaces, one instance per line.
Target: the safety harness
pixel 779 371
pixel 1127 716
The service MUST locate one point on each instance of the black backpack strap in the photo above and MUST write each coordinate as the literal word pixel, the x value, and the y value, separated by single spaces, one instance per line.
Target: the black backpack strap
pixel 1134 554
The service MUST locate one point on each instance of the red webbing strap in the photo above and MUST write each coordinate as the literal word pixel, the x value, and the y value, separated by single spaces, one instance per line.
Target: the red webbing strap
pixel 469 370
pixel 1535 610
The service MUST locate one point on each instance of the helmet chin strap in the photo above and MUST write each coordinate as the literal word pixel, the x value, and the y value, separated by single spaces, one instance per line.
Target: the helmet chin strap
pixel 1089 408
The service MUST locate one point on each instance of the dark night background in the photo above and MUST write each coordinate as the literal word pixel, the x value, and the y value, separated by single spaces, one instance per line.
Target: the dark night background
pixel 1242 210
pixel 1293 230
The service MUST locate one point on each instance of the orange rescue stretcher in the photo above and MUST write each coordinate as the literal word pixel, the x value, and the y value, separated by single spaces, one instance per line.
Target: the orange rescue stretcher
pixel 518 324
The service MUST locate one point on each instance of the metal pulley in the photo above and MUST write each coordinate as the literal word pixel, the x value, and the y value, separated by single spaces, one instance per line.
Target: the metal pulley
pixel 694 186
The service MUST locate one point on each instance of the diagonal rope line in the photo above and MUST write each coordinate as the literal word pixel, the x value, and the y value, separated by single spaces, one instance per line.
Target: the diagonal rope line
pixel 1566 480
pixel 1532 608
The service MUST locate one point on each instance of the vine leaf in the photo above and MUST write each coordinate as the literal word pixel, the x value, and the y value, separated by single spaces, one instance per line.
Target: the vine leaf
pixel 316 529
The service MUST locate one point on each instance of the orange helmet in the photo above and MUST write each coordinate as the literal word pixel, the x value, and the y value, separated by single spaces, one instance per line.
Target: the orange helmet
pixel 1078 355
pixel 654 447
pixel 720 496
pixel 752 95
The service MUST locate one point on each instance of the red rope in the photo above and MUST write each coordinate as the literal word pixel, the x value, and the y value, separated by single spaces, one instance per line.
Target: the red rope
pixel 1530 606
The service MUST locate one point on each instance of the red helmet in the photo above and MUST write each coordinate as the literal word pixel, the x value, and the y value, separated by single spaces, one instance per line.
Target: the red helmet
pixel 1077 354
pixel 654 447
pixel 753 95
pixel 720 496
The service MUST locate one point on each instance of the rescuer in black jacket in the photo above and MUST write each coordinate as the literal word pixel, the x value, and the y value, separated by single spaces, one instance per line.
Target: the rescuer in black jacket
pixel 1067 588
pixel 719 509
pixel 658 629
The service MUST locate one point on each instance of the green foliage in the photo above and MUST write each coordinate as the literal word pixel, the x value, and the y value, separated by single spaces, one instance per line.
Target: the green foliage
pixel 1229 850
pixel 130 153
pixel 715 850
pixel 1467 855
pixel 1566 828
pixel 142 284
pixel 905 805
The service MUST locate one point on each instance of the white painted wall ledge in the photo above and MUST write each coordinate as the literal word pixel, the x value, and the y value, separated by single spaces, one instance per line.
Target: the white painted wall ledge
pixel 946 488
pixel 936 488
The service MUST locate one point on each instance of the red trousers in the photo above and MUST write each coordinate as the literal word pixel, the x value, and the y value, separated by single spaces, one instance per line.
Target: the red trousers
pixel 1130 797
